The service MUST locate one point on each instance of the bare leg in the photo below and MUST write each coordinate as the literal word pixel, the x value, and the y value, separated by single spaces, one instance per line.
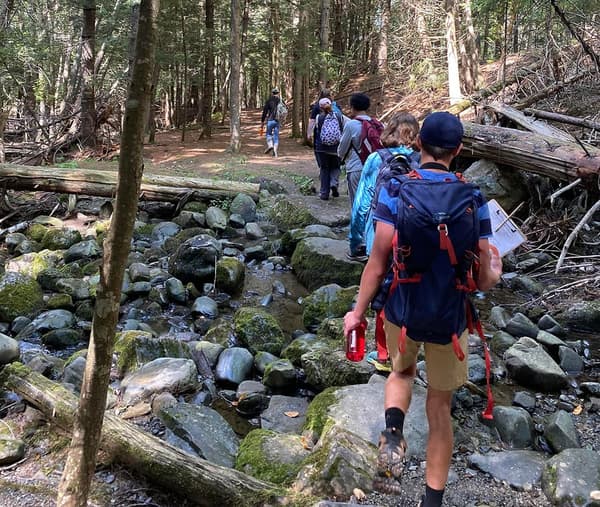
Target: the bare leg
pixel 441 438
pixel 398 389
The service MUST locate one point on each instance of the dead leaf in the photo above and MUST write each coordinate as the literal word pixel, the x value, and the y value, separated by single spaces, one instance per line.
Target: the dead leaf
pixel 305 443
pixel 292 413
pixel 577 410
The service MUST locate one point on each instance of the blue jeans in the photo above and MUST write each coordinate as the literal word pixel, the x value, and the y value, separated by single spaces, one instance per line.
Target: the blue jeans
pixel 273 131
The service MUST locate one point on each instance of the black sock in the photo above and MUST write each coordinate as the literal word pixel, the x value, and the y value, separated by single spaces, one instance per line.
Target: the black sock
pixel 394 418
pixel 433 497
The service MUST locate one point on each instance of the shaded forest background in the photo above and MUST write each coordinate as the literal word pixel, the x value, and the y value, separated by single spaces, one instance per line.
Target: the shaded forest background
pixel 65 66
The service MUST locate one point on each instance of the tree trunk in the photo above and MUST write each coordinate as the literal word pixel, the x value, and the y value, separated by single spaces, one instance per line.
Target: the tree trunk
pixel 469 55
pixel 188 476
pixel 234 86
pixel 208 83
pixel 324 42
pixel 381 49
pixel 274 22
pixel 563 118
pixel 3 119
pixel 185 94
pixel 87 127
pixel 151 121
pixel 452 52
pixel 103 183
pixel 81 460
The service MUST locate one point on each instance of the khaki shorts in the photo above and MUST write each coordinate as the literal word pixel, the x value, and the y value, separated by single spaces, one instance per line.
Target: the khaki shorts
pixel 444 371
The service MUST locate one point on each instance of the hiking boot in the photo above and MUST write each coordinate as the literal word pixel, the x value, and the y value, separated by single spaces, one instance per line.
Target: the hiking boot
pixel 392 450
pixel 269 146
pixel 334 192
pixel 387 485
pixel 380 365
pixel 357 257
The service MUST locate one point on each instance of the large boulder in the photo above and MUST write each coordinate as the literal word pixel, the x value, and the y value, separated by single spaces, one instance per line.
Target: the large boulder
pixel 515 426
pixel 19 295
pixel 275 418
pixel 258 330
pixel 194 260
pixel 231 273
pixel 288 215
pixel 291 238
pixel 32 264
pixel 327 302
pixel 9 349
pixel 234 365
pixel 60 239
pixel 319 261
pixel 531 366
pixel 560 432
pixel 244 206
pixel 521 469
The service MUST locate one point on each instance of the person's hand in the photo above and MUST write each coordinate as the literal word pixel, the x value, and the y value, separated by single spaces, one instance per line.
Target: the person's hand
pixel 495 261
pixel 261 131
pixel 351 321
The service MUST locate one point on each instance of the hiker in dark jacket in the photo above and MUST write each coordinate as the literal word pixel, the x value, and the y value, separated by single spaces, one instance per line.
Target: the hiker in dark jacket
pixel 440 140
pixel 269 115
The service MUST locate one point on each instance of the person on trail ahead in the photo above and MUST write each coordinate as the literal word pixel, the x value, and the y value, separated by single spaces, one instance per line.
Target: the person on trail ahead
pixel 434 265
pixel 327 131
pixel 351 144
pixel 399 137
pixel 269 115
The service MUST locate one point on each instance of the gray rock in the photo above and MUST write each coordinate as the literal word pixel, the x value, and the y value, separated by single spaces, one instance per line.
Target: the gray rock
pixel 520 326
pixel 255 253
pixel 189 219
pixel 254 231
pixel 13 240
pixel 520 469
pixel 515 426
pixel 244 206
pixel 85 250
pixel 327 366
pixel 211 351
pixel 73 373
pixel 274 418
pixel 234 365
pixel 216 218
pixel 548 323
pixel 262 359
pixel 139 272
pixel 531 366
pixel 33 263
pixel 9 349
pixel 320 261
pixel 164 230
pixel 280 375
pixel 476 373
pixel 19 324
pixel 570 361
pixel 60 239
pixel 501 341
pixel 162 401
pixel 76 288
pixel 592 388
pixel 176 290
pixel 194 260
pixel 249 387
pixel 26 247
pixel 560 432
pixel 528 265
pixel 291 238
pixel 47 321
pixel 298 346
pixel 205 430
pixel 163 374
pixel 499 317
pixel 524 400
pixel 252 404
pixel 206 307
pixel 551 342
pixel 584 315
pixel 140 288
pixel 329 301
pixel 61 338
pixel 258 330
pixel 570 477
pixel 11 451
pixel 236 221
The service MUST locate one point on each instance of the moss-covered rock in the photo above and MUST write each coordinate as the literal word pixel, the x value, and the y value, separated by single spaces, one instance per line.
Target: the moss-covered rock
pixel 231 273
pixel 172 244
pixel 19 295
pixel 291 238
pixel 36 232
pixel 286 215
pixel 258 330
pixel 221 332
pixel 270 456
pixel 135 348
pixel 33 263
pixel 56 301
pixel 319 261
pixel 326 302
pixel 60 239
pixel 299 346
pixel 317 418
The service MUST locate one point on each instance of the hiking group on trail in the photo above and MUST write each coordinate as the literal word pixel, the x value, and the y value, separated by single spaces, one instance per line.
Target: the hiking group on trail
pixel 424 234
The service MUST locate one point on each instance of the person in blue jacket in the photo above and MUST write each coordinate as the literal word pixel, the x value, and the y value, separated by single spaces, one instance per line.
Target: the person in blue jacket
pixel 399 137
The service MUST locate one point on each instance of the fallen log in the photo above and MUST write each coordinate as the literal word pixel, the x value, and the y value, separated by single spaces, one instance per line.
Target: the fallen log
pixel 197 480
pixel 102 183
pixel 555 158
pixel 550 90
pixel 563 118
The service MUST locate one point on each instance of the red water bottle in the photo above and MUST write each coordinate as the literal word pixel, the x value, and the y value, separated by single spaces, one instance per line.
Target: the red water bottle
pixel 355 343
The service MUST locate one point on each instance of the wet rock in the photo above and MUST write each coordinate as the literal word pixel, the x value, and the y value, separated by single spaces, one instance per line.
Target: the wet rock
pixel 476 373
pixel 13 240
pixel 252 404
pixel 507 187
pixel 258 330
pixel 73 372
pixel 524 400
pixel 19 324
pixel 60 301
pixel 216 218
pixel 570 361
pixel 194 260
pixel 515 426
pixel 327 366
pixel 231 274
pixel 49 366
pixel 520 326
pixel 570 477
pixel 234 365
pixel 176 290
pixel 162 401
pixel 139 272
pixel 11 451
pixel 189 219
pixel 280 375
pixel 304 343
pixel 278 416
pixel 19 295
pixel 560 432
pixel 249 387
pixel 262 360
pixel 60 239
pixel 136 348
pixel 205 306
pixel 61 338
pixel 9 349
pixel 221 332
pixel 77 288
pixel 270 456
pixel 520 469
pixel 531 366
pixel 211 351
pixel 254 231
pixel 255 253
pixel 204 430
pixel 32 264
pixel 548 323
pixel 244 206
pixel 164 230
pixel 592 388
pixel 26 247
pixel 85 250
pixel 290 239
pixel 47 321
pixel 499 317
pixel 328 301
pixel 501 341
pixel 236 221
pixel 163 374
pixel 584 315
pixel 320 261
pixel 551 342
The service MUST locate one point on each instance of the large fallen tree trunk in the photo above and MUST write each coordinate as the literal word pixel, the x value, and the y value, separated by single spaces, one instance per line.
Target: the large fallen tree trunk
pixel 102 183
pixel 555 158
pixel 563 118
pixel 197 480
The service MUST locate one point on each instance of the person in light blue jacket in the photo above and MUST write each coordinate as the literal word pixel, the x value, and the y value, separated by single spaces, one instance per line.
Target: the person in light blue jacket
pixel 398 137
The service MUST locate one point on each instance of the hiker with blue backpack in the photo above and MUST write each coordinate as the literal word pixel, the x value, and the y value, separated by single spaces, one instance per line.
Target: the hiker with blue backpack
pixel 398 155
pixel 327 132
pixel 274 113
pixel 360 138
pixel 435 227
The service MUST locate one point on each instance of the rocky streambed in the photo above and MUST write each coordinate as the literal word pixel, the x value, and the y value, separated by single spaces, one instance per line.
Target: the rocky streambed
pixel 230 347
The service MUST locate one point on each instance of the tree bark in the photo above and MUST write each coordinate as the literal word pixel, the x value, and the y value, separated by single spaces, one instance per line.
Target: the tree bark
pixel 81 460
pixel 103 183
pixel 197 480
pixel 208 82
pixel 563 118
pixel 87 126
pixel 555 158
pixel 469 54
pixel 234 85
pixel 324 42
pixel 3 119
pixel 452 52
pixel 381 49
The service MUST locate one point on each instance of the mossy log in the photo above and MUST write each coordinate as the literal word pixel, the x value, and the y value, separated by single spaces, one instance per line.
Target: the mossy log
pixel 556 158
pixel 103 183
pixel 197 480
